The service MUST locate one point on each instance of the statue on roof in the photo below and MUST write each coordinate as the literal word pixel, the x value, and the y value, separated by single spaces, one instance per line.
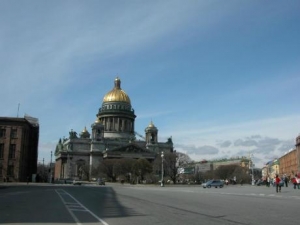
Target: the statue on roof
pixel 170 140
pixel 72 134
pixel 59 147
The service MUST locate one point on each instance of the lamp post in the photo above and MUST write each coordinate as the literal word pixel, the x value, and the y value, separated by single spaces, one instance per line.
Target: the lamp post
pixel 43 176
pixel 51 169
pixel 251 156
pixel 162 169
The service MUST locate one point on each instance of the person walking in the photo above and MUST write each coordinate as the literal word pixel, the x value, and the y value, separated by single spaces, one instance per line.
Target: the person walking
pixel 268 181
pixel 277 183
pixel 286 180
pixel 294 181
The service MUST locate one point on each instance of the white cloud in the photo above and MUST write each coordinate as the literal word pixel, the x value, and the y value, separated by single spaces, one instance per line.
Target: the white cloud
pixel 260 137
pixel 50 56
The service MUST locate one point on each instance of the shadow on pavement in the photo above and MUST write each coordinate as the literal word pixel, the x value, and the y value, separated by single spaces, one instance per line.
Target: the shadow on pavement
pixel 42 204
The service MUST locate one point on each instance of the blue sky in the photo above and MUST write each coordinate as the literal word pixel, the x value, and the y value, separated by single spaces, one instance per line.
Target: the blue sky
pixel 221 77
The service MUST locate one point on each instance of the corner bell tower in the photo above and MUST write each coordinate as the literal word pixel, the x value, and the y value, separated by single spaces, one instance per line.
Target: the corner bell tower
pixel 151 134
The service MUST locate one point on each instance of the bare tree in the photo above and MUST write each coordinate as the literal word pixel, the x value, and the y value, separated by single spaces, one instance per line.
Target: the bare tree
pixel 123 168
pixel 107 168
pixel 231 171
pixel 226 171
pixel 42 172
pixel 172 162
pixel 142 167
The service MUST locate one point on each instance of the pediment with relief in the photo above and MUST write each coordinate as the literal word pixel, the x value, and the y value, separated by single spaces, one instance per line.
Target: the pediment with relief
pixel 129 151
pixel 131 148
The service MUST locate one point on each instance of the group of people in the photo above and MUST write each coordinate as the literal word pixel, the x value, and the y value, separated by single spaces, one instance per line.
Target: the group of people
pixel 280 182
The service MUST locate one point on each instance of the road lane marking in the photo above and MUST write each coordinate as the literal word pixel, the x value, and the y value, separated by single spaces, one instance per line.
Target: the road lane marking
pixel 69 206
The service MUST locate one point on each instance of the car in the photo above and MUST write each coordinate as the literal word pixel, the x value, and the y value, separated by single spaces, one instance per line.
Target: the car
pixel 100 181
pixel 77 182
pixel 261 182
pixel 213 183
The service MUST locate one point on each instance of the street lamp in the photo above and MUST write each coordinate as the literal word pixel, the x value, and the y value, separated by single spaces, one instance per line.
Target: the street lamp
pixel 43 170
pixel 251 156
pixel 162 169
pixel 51 168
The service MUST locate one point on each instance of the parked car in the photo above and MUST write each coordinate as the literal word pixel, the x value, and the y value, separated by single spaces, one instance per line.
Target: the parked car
pixel 77 182
pixel 100 181
pixel 261 182
pixel 213 183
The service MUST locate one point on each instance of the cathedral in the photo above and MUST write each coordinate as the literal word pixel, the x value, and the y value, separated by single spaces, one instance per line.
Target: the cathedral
pixel 112 136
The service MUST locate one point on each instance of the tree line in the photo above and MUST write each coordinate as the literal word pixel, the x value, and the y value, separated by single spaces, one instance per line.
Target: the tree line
pixel 141 170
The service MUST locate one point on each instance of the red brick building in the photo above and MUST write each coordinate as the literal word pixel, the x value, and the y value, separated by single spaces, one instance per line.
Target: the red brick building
pixel 290 161
pixel 18 148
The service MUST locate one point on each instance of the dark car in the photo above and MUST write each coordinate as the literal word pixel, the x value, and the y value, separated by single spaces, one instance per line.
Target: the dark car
pixel 100 181
pixel 261 182
pixel 213 183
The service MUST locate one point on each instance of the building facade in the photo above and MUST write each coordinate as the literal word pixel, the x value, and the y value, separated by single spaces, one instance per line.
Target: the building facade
pixel 206 166
pixel 112 136
pixel 18 148
pixel 288 163
pixel 239 161
pixel 298 154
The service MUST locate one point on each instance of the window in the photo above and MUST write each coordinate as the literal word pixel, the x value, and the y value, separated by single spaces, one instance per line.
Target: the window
pixel 2 133
pixel 1 151
pixel 14 133
pixel 10 170
pixel 12 151
pixel 1 171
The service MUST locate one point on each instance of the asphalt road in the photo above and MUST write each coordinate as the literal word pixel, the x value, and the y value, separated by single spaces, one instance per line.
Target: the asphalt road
pixel 116 204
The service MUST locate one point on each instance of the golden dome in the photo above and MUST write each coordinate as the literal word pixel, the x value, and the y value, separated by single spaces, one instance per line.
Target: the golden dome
pixel 151 124
pixel 84 130
pixel 151 127
pixel 117 94
pixel 85 133
pixel 97 120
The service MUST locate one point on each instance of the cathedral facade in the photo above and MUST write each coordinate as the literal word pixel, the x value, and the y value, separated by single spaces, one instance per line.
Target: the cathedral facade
pixel 112 136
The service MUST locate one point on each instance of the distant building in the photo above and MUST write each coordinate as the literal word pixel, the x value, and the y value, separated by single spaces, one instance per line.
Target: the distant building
pixel 288 163
pixel 264 172
pixel 205 166
pixel 298 154
pixel 239 161
pixel 112 136
pixel 19 139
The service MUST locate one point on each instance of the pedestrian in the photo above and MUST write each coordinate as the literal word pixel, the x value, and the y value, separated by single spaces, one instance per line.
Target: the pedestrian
pixel 268 181
pixel 286 180
pixel 298 181
pixel 277 183
pixel 294 181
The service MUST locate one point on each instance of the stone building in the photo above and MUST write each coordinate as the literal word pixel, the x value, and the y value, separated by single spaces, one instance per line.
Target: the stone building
pixel 206 166
pixel 290 161
pixel 298 154
pixel 112 136
pixel 18 148
pixel 243 162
